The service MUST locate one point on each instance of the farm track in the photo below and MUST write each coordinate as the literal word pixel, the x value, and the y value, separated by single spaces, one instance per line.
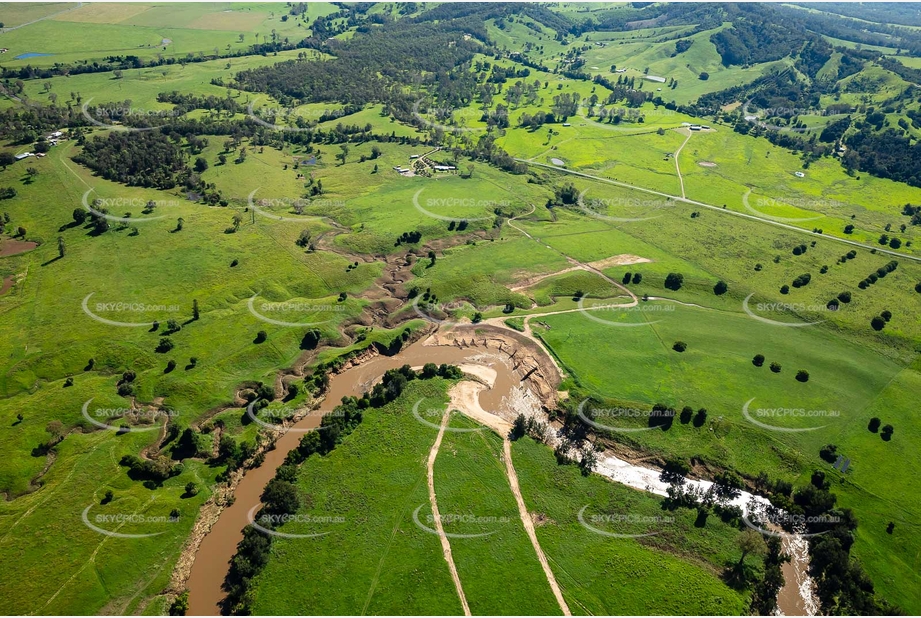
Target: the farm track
pixel 684 195
pixel 433 500
pixel 528 524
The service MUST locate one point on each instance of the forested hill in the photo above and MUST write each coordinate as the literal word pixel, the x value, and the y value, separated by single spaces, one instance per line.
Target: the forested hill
pixel 369 64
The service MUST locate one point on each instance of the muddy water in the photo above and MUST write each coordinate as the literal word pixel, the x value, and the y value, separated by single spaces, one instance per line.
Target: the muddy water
pixel 797 596
pixel 220 544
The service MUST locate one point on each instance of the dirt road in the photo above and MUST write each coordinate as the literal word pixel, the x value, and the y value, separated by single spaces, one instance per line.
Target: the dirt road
pixel 529 526
pixel 445 543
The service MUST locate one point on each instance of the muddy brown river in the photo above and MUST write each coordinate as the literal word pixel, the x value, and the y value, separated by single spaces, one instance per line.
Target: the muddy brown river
pixel 219 544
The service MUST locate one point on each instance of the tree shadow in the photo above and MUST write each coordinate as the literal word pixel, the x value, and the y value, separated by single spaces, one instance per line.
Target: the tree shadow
pixel 52 260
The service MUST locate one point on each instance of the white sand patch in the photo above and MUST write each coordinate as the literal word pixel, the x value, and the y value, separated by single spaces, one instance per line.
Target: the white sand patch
pixel 487 374
pixel 465 398
pixel 623 259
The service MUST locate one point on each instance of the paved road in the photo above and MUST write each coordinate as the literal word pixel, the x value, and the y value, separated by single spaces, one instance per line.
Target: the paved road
pixel 678 198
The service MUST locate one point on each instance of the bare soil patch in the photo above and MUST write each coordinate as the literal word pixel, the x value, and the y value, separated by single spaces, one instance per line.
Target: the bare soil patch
pixel 11 246
pixel 624 259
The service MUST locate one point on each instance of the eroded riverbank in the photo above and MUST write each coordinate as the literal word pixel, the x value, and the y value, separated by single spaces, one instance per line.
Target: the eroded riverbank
pixel 510 374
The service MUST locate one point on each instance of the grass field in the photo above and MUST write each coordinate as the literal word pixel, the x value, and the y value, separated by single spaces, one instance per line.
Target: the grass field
pixel 377 560
pixel 847 386
pixel 374 482
pixel 147 30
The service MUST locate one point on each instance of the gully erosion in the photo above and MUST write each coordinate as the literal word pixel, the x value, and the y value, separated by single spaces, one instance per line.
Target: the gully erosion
pixel 508 373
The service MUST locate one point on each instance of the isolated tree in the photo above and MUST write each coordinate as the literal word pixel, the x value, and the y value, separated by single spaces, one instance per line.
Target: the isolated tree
pixel 61 247
pixel 802 375
pixel 179 223
pixel 700 418
pixel 680 346
pixel 201 165
pixel 6 159
pixel 195 313
pixel 237 220
pixel 750 542
pixel 758 360
pixel 878 323
pixel 874 424
pixel 775 367
pixel 519 428
pixel 720 288
pixel 674 281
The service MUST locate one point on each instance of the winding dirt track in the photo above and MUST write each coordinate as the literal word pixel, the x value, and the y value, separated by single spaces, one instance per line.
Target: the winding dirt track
pixel 433 500
pixel 529 526
pixel 677 166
